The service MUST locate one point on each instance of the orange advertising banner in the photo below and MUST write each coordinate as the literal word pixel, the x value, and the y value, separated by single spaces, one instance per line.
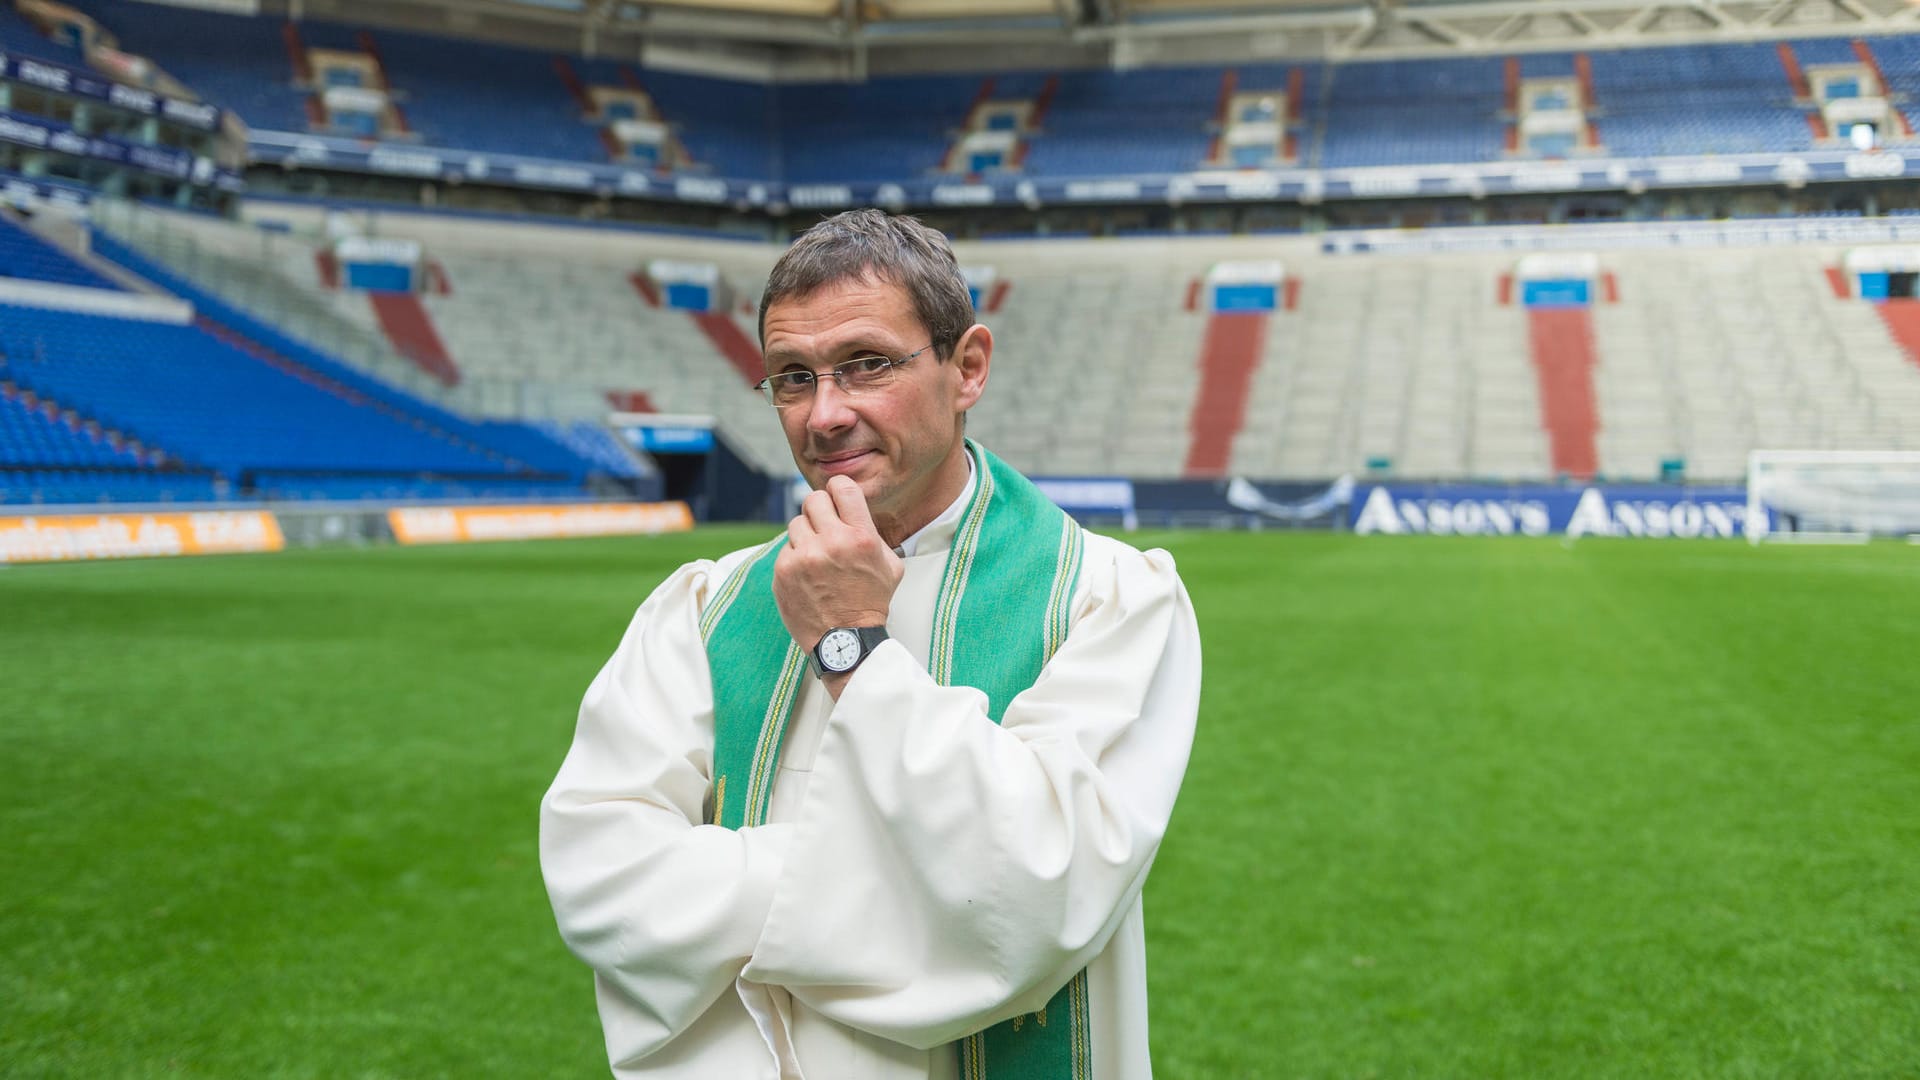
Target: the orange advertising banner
pixel 30 538
pixel 467 524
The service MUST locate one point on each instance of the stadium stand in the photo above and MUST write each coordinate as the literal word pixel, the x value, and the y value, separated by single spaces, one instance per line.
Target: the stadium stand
pixel 1103 122
pixel 536 331
pixel 1409 366
pixel 1418 367
pixel 287 350
pixel 1671 100
pixel 727 127
pixel 1708 357
pixel 895 127
pixel 1696 99
pixel 211 403
pixel 73 487
pixel 584 330
pixel 1430 111
pixel 36 433
pixel 1404 362
pixel 475 96
pixel 240 64
pixel 1094 367
pixel 91 406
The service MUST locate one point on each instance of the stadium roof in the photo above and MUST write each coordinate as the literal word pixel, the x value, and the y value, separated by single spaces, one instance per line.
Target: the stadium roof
pixel 839 35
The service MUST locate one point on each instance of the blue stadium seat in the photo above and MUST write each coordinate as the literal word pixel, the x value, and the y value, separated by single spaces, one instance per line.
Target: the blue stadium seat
pixel 597 445
pixel 236 62
pixel 79 487
pixel 24 255
pixel 483 97
pixel 1696 99
pixel 729 128
pixel 404 407
pixel 209 403
pixel 32 437
pixel 1812 51
pixel 837 132
pixel 1107 123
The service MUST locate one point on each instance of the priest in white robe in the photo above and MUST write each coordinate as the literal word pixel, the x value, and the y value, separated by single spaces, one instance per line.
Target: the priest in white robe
pixel 877 799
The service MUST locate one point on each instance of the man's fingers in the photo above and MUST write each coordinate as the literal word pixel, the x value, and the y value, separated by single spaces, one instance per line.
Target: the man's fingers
pixel 818 509
pixel 799 531
pixel 850 503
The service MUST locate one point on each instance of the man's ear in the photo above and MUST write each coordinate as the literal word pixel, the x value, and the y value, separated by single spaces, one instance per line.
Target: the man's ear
pixel 972 357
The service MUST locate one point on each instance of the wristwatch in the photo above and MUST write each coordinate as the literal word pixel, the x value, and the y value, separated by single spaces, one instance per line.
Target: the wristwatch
pixel 842 648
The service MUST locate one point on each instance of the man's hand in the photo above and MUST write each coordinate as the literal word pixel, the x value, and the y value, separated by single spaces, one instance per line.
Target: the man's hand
pixel 836 571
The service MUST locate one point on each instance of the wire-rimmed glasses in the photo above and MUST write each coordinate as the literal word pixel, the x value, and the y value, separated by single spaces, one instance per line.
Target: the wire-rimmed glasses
pixel 860 375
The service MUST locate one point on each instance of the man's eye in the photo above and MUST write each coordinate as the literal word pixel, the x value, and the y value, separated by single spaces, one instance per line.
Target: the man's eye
pixel 866 365
pixel 793 380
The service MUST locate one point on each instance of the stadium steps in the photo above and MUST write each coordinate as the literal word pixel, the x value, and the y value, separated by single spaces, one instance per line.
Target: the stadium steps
pixel 1563 359
pixel 53 411
pixel 406 323
pixel 632 401
pixel 1229 355
pixel 303 74
pixel 327 266
pixel 732 343
pixel 372 48
pixel 1872 63
pixel 1902 319
pixel 642 284
pixel 576 87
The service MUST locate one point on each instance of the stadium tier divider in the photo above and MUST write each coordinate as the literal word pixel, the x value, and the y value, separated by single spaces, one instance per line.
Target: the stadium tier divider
pixel 24 255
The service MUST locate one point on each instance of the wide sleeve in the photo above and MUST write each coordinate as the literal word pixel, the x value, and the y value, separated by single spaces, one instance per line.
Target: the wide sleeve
pixel 664 908
pixel 947 873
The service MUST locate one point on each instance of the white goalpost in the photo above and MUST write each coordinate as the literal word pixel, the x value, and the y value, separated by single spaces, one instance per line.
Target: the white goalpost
pixel 1833 496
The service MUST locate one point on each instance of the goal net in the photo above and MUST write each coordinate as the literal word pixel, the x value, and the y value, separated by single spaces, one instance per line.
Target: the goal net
pixel 1832 495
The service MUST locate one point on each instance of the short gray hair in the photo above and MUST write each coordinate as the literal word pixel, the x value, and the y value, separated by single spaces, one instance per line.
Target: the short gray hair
pixel 898 250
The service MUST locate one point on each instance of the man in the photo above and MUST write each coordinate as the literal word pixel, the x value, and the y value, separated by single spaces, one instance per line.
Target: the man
pixel 876 799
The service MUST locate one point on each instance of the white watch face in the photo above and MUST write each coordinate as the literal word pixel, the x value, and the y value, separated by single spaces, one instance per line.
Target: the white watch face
pixel 839 650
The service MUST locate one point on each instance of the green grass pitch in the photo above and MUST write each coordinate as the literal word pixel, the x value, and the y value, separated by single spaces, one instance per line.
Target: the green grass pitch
pixel 1457 808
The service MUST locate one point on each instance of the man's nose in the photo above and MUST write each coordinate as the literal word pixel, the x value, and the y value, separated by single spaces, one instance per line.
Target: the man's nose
pixel 832 409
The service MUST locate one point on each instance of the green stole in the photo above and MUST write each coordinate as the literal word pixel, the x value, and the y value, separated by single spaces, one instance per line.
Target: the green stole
pixel 1001 613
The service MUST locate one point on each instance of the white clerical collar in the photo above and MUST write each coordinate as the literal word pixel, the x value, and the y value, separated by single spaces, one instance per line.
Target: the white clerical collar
pixel 943 525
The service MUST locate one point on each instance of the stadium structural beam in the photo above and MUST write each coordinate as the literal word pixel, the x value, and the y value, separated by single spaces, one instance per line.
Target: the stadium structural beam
pixel 1854 7
pixel 1478 26
pixel 509 12
pixel 1356 17
pixel 1436 28
pixel 598 14
pixel 1383 29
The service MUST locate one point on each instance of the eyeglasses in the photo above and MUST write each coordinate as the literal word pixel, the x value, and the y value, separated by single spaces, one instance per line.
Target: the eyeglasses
pixel 860 375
